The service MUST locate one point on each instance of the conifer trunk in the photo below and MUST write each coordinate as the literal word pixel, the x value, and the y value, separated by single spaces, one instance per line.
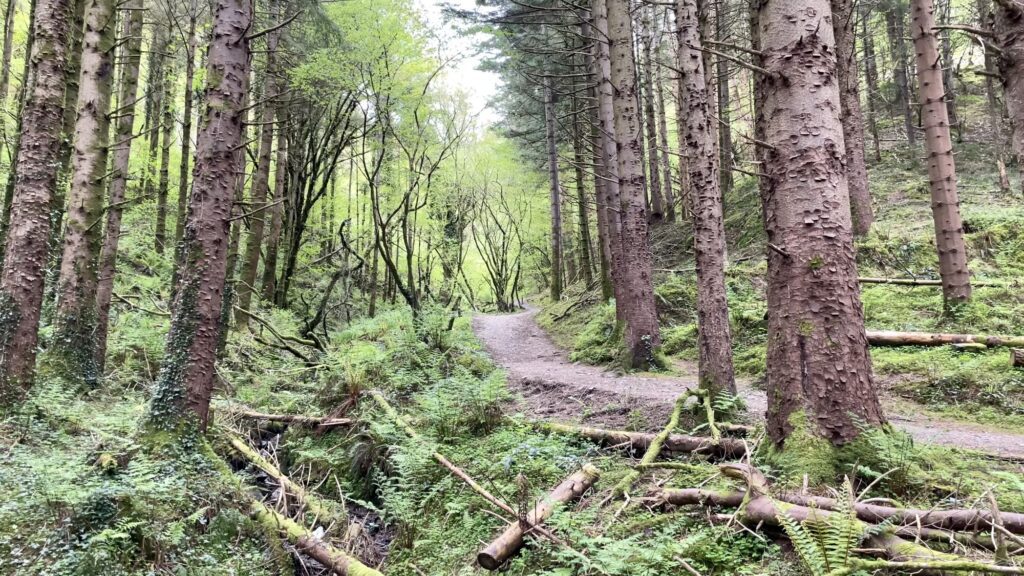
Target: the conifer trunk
pixel 259 193
pixel 871 78
pixel 641 335
pixel 186 130
pixel 181 398
pixel 1010 37
pixel 949 229
pixel 74 351
pixel 276 211
pixel 896 18
pixel 163 175
pixel 843 21
pixel 651 120
pixel 995 114
pixel 819 373
pixel 21 282
pixel 698 147
pixel 666 164
pixel 122 149
pixel 596 142
pixel 724 113
pixel 556 193
pixel 583 211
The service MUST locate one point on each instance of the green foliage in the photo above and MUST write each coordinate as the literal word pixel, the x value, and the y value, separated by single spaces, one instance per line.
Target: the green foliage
pixel 825 544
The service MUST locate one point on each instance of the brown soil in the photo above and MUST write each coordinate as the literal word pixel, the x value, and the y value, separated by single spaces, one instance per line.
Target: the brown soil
pixel 553 388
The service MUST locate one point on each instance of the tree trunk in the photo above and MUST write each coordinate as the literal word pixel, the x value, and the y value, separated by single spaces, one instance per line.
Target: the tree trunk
pixel 653 165
pixel 1010 37
pixel 819 373
pixel 163 178
pixel 995 116
pixel 583 210
pixel 276 211
pixel 596 141
pixel 258 195
pixel 181 398
pixel 5 65
pixel 871 77
pixel 641 318
pixel 21 283
pixel 843 21
pixel 949 230
pixel 74 353
pixel 698 147
pixel 186 130
pixel 895 18
pixel 724 115
pixel 948 71
pixel 154 114
pixel 556 194
pixel 609 155
pixel 122 149
pixel 666 164
pixel 26 74
pixel 72 75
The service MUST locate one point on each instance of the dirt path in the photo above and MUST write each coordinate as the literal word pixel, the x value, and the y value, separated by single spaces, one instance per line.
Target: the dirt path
pixel 553 388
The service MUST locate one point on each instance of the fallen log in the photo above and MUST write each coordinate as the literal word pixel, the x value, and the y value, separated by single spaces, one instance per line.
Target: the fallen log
pixel 922 282
pixel 894 338
pixel 511 540
pixel 674 443
pixel 338 561
pixel 298 419
pixel 653 449
pixel 327 512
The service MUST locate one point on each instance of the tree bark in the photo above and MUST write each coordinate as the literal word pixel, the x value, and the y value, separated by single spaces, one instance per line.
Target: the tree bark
pixel 843 21
pixel 12 176
pixel 260 190
pixel 666 164
pixel 724 113
pixel 276 211
pixel 871 77
pixel 163 175
pixel 186 129
pixel 1009 30
pixel 596 141
pixel 819 370
pixel 25 257
pixel 556 193
pixel 698 147
pixel 895 17
pixel 154 114
pixel 511 540
pixel 653 164
pixel 122 149
pixel 181 398
pixel 949 229
pixel 5 63
pixel 639 313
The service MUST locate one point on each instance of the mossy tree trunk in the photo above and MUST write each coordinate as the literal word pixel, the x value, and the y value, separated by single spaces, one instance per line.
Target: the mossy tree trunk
pixel 182 394
pixel 640 317
pixel 698 146
pixel 949 229
pixel 122 149
pixel 27 234
pixel 820 380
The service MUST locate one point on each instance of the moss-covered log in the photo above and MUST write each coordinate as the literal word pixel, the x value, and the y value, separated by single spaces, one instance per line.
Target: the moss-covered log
pixel 327 512
pixel 674 443
pixel 653 448
pixel 511 540
pixel 336 560
pixel 297 419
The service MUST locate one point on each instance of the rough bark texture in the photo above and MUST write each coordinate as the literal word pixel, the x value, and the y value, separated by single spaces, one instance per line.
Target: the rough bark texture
pixel 258 195
pixel 182 392
pixel 819 371
pixel 639 313
pixel 853 119
pixel 21 283
pixel 556 194
pixel 949 229
pixel 896 18
pixel 609 157
pixel 1009 30
pixel 122 149
pixel 698 147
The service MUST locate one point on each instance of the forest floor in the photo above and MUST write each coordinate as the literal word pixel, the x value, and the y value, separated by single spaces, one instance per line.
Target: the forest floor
pixel 554 388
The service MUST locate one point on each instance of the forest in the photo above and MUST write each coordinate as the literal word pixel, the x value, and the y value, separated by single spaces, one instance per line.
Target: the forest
pixel 536 287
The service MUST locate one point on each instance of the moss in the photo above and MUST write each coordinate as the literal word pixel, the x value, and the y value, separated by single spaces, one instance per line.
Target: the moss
pixel 805 452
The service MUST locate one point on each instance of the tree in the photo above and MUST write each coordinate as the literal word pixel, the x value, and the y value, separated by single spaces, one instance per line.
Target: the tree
pixel 27 238
pixel 699 147
pixel 896 23
pixel 843 26
pixel 949 229
pixel 641 335
pixel 1009 30
pixel 556 193
pixel 820 380
pixel 74 353
pixel 995 111
pixel 122 149
pixel 181 398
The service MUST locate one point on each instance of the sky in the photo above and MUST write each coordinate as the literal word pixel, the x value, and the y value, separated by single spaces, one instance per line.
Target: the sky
pixel 480 86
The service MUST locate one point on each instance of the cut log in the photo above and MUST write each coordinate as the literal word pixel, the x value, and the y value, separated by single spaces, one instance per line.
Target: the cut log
pixel 675 443
pixel 921 282
pixel 1017 357
pixel 327 512
pixel 511 540
pixel 336 560
pixel 893 338
pixel 298 419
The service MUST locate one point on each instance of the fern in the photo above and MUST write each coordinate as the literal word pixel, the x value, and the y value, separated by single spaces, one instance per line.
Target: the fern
pixel 825 543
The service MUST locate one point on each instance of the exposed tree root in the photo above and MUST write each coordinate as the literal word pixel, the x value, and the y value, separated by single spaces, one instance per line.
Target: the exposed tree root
pixel 674 443
pixel 336 560
pixel 511 540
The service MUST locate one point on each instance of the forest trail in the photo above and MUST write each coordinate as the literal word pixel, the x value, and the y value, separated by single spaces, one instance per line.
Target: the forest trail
pixel 554 388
